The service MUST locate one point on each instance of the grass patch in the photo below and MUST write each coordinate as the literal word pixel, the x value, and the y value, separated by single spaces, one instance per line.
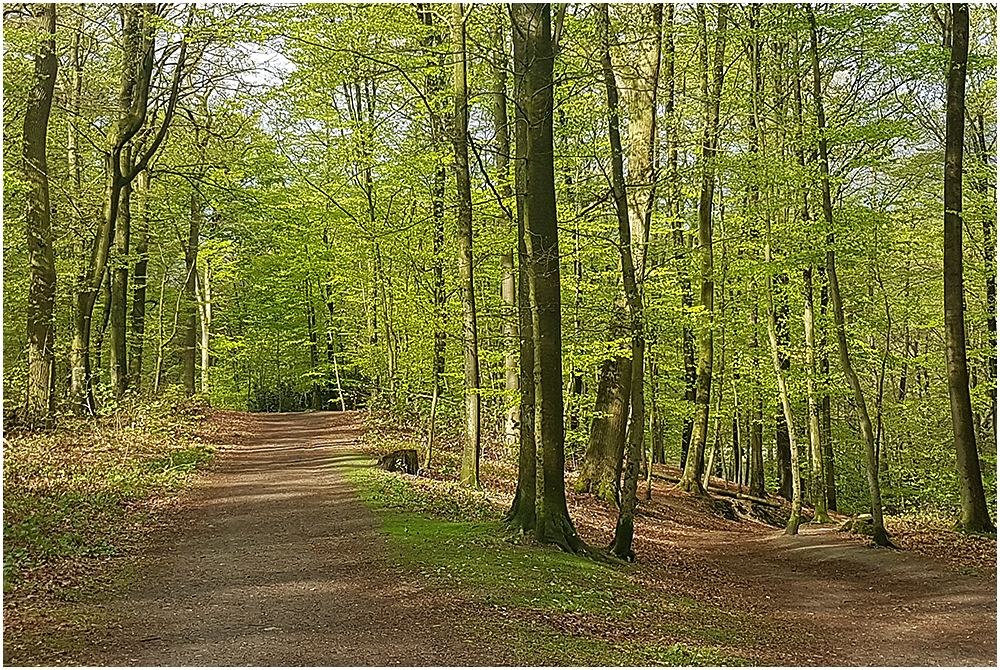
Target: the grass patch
pixel 457 538
pixel 541 646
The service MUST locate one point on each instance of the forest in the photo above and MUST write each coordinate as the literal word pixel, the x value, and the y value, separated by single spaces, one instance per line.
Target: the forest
pixel 757 242
pixel 646 300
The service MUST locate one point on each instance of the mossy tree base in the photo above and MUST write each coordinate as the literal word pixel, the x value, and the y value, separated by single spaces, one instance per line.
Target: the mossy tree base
pixel 692 485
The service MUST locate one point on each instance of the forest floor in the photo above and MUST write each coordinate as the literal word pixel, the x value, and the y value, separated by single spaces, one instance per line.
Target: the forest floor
pixel 272 559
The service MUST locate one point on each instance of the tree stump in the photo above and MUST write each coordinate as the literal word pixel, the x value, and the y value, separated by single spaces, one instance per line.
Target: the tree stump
pixel 862 524
pixel 401 460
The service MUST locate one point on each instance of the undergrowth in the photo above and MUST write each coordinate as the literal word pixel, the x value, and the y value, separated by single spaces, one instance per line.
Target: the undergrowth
pixel 457 538
pixel 85 487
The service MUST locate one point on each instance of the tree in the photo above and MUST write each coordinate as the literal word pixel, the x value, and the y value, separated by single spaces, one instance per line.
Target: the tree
pixel 470 344
pixel 531 26
pixel 42 285
pixel 975 514
pixel 871 468
pixel 633 233
pixel 522 513
pixel 122 166
pixel 695 463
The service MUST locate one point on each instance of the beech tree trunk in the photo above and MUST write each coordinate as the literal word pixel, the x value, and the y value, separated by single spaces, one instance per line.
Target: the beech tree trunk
pixel 531 23
pixel 189 352
pixel 871 469
pixel 522 513
pixel 796 498
pixel 470 346
pixel 140 274
pixel 975 513
pixel 433 84
pixel 815 441
pixel 695 463
pixel 38 230
pixel 633 232
pixel 600 470
pixel 501 130
pixel 680 247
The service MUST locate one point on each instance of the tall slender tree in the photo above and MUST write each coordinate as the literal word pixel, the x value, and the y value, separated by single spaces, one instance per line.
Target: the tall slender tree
pixel 532 24
pixel 41 257
pixel 470 342
pixel 522 513
pixel 871 467
pixel 975 514
pixel 694 465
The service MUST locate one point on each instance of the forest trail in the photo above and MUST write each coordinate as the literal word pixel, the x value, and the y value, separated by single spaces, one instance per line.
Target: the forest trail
pixel 823 598
pixel 854 604
pixel 273 560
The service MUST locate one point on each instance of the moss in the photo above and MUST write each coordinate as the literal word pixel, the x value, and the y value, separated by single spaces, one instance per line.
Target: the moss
pixel 502 569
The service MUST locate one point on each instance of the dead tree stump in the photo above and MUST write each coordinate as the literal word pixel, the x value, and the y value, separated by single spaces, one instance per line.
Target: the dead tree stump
pixel 401 460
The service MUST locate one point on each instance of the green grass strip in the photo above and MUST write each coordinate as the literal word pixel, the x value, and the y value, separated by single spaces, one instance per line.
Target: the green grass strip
pixel 455 537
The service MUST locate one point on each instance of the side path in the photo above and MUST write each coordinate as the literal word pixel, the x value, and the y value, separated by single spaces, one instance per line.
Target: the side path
pixel 275 561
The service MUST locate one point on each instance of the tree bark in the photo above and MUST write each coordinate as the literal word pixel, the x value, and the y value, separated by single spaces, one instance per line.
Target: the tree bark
pixel 975 513
pixel 433 85
pixel 815 439
pixel 38 230
pixel 600 471
pixel 522 513
pixel 795 517
pixel 553 524
pixel 695 462
pixel 189 353
pixel 632 234
pixel 501 131
pixel 140 273
pixel 470 346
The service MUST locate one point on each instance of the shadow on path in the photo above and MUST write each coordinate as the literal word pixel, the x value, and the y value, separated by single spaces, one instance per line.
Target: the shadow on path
pixel 275 561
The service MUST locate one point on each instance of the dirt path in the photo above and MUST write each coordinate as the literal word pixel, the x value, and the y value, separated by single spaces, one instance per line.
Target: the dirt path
pixel 274 561
pixel 826 597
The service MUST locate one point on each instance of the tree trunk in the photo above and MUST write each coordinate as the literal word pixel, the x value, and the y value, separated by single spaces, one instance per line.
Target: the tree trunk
pixel 601 467
pixel 695 462
pixel 815 440
pixel 975 513
pixel 501 125
pixel 190 348
pixel 314 399
pixel 119 284
pixel 41 258
pixel 532 25
pixel 205 317
pixel 673 196
pixel 826 428
pixel 796 498
pixel 140 275
pixel 470 346
pixel 522 513
pixel 633 233
pixel 433 84
pixel 880 537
